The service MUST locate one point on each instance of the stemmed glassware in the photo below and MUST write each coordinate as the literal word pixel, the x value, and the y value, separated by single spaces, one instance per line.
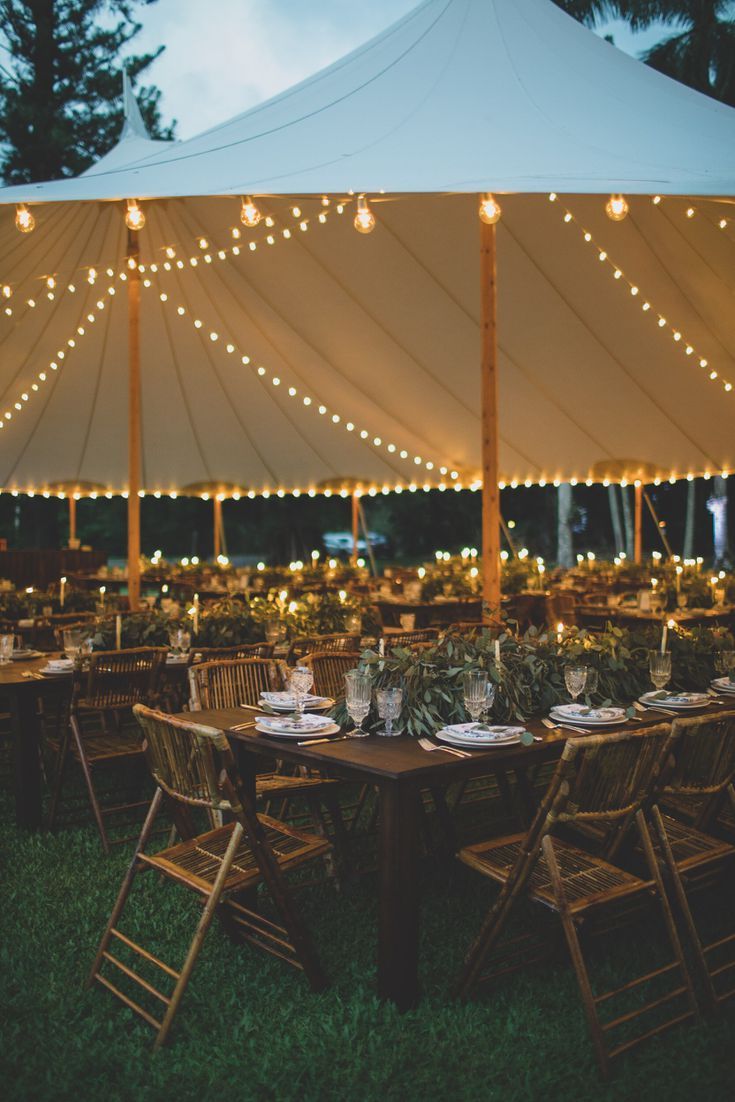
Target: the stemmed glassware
pixel 358 695
pixel 725 662
pixel 179 640
pixel 275 631
pixel 7 643
pixel 659 666
pixel 389 709
pixel 575 679
pixel 591 681
pixel 301 680
pixel 75 642
pixel 475 684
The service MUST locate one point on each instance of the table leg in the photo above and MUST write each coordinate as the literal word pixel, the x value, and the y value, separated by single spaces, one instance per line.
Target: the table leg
pixel 27 766
pixel 398 929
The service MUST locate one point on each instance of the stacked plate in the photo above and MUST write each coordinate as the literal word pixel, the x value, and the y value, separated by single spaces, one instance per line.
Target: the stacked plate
pixel 579 715
pixel 286 702
pixel 724 685
pixel 58 666
pixel 287 727
pixel 175 659
pixel 678 702
pixel 25 654
pixel 481 737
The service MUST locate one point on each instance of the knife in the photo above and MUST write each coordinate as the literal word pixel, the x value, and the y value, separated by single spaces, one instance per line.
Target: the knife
pixel 319 741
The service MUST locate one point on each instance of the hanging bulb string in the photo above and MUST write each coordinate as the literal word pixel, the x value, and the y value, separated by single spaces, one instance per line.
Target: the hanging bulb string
pixel 638 297
pixel 693 211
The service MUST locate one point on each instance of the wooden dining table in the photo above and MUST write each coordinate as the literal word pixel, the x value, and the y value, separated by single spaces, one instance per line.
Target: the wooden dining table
pixel 399 769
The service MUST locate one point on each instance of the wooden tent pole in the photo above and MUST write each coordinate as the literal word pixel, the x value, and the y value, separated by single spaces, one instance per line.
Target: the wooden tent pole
pixel 355 525
pixel 489 365
pixel 133 423
pixel 638 541
pixel 72 519
pixel 217 526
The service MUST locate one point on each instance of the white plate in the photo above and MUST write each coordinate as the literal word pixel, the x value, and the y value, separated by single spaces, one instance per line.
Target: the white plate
pixel 287 702
pixel 464 734
pixel 176 659
pixel 25 655
pixel 680 702
pixel 310 724
pixel 56 671
pixel 587 717
pixel 724 685
pixel 324 732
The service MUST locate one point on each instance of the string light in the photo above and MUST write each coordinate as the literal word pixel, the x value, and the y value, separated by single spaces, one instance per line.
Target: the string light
pixel 364 219
pixel 24 220
pixel 134 217
pixel 490 209
pixel 647 306
pixel 250 216
pixel 617 208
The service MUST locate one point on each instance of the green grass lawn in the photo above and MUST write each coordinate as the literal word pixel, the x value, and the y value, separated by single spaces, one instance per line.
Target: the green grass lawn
pixel 250 1029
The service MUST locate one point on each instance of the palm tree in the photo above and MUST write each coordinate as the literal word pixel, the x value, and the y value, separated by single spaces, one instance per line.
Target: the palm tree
pixel 699 52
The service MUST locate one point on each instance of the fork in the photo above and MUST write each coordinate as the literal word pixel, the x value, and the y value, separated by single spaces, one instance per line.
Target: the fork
pixel 425 744
pixel 654 708
pixel 563 727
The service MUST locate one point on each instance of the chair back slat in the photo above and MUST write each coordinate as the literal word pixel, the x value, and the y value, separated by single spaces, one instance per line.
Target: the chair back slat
pixel 117 678
pixel 409 638
pixel 704 755
pixel 232 683
pixel 186 759
pixel 240 650
pixel 312 644
pixel 329 672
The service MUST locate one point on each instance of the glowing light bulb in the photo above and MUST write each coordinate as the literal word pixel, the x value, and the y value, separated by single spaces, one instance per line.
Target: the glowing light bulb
pixel 249 213
pixel 24 220
pixel 134 217
pixel 617 208
pixel 364 219
pixel 490 209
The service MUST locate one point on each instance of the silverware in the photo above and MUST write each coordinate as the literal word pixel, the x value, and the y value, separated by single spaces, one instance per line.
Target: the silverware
pixel 319 741
pixel 425 744
pixel 565 727
pixel 653 708
pixel 242 726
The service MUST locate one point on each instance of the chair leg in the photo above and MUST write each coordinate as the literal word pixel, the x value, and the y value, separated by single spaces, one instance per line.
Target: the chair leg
pixel 331 802
pixel 126 885
pixel 79 743
pixel 575 952
pixel 317 819
pixel 361 801
pixel 684 909
pixel 196 944
pixel 668 917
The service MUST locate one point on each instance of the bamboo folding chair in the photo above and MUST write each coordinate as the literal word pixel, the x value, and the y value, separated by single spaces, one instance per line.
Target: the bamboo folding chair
pixel 599 787
pixel 686 804
pixel 105 687
pixel 311 644
pixel 242 681
pixel 329 671
pixel 193 767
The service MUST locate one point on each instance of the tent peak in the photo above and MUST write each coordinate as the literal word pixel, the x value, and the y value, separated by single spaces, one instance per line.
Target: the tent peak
pixel 133 125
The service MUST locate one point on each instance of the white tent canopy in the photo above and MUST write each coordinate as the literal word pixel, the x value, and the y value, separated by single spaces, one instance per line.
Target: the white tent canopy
pixel 381 331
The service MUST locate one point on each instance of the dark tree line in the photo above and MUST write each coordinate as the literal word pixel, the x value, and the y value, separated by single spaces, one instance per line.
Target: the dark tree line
pixel 60 84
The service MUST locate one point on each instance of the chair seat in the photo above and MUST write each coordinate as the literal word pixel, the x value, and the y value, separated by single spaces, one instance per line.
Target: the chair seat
pixel 692 847
pixel 586 879
pixel 276 784
pixel 196 861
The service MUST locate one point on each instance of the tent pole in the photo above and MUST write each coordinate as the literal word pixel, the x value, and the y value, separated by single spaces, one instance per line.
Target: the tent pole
pixel 638 541
pixel 217 505
pixel 489 361
pixel 659 529
pixel 72 519
pixel 355 525
pixel 133 423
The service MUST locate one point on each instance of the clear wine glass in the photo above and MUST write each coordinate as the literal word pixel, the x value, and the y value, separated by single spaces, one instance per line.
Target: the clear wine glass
pixel 389 709
pixel 300 681
pixel 6 648
pixel 358 696
pixel 273 631
pixel 659 666
pixel 725 662
pixel 73 640
pixel 575 679
pixel 179 640
pixel 592 681
pixel 475 683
